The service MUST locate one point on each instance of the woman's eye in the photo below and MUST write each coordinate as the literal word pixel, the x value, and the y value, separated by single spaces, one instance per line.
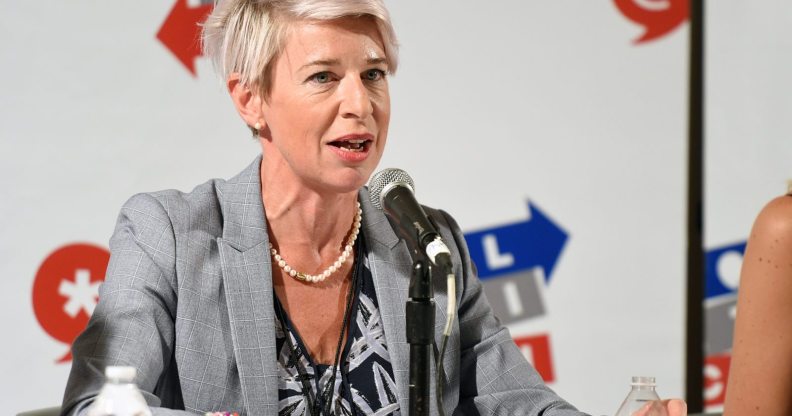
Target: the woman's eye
pixel 321 77
pixel 374 75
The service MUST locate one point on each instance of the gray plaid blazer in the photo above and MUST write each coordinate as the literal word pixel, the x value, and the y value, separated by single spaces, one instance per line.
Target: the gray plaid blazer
pixel 188 301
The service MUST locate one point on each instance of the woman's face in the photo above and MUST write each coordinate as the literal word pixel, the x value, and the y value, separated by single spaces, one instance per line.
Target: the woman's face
pixel 328 108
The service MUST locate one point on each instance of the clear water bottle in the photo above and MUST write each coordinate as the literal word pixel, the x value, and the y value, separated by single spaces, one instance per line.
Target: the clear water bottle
pixel 642 392
pixel 119 396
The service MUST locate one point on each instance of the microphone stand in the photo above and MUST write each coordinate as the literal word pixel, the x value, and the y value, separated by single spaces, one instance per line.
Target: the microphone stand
pixel 420 315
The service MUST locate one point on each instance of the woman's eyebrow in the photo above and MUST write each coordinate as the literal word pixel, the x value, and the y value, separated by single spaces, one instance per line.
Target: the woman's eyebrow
pixel 321 62
pixel 332 62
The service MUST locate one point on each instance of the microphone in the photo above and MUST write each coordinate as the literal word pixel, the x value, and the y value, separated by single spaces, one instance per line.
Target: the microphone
pixel 392 190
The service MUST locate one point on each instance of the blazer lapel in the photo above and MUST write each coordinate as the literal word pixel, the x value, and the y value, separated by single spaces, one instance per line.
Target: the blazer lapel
pixel 247 282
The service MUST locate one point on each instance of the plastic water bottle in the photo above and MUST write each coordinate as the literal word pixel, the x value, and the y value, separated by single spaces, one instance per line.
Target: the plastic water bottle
pixel 642 392
pixel 119 396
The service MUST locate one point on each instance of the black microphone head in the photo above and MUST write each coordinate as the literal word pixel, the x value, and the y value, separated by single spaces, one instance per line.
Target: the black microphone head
pixel 385 180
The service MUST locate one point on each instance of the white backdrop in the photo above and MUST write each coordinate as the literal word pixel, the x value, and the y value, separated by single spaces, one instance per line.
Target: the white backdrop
pixel 495 105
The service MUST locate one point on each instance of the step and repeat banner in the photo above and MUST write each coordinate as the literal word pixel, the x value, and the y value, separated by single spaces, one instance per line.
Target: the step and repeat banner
pixel 554 132
pixel 748 148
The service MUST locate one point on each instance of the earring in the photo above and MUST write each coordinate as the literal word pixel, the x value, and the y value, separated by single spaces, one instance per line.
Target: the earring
pixel 255 129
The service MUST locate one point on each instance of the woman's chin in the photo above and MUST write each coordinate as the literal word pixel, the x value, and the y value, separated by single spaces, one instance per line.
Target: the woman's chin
pixel 346 181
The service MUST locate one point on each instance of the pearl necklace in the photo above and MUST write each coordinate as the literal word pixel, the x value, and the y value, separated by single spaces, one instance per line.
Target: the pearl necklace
pixel 304 277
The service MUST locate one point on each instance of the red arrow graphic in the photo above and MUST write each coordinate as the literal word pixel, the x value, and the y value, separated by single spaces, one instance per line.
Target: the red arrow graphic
pixel 658 17
pixel 180 32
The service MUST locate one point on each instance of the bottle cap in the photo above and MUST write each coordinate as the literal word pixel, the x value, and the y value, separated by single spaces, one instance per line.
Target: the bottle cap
pixel 120 373
pixel 643 381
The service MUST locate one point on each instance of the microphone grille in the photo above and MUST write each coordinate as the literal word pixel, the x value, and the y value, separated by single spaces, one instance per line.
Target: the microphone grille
pixel 383 180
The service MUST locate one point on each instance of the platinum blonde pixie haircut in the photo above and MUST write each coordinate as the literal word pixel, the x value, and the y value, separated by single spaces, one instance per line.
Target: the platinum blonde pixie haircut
pixel 247 36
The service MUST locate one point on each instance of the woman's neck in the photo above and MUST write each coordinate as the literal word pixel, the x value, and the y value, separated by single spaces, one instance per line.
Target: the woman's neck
pixel 302 217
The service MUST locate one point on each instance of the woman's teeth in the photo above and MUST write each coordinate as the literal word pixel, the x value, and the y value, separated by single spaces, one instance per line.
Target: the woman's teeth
pixel 351 145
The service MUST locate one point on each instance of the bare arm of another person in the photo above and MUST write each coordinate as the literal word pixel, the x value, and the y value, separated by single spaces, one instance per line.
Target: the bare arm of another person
pixel 760 379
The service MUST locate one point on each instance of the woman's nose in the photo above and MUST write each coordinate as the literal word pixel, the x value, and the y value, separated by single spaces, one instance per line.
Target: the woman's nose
pixel 355 98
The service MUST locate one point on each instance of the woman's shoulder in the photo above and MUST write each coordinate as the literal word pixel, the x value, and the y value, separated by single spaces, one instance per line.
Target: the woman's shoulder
pixel 173 201
pixel 768 255
pixel 186 214
pixel 202 207
pixel 759 373
pixel 774 222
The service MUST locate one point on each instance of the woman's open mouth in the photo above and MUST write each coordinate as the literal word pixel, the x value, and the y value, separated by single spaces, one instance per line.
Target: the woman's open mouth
pixel 352 145
pixel 352 148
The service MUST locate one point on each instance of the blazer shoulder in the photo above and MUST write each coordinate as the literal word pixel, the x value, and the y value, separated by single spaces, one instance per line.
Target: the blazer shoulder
pixel 199 209
pixel 443 220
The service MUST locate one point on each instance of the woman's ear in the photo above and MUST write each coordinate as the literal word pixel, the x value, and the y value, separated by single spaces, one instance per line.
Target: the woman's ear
pixel 246 101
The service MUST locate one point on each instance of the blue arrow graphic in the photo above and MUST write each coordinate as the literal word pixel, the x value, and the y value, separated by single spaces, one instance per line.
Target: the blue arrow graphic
pixel 713 285
pixel 518 246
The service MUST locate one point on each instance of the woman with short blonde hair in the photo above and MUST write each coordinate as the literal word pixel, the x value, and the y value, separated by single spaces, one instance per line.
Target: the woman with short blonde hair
pixel 282 290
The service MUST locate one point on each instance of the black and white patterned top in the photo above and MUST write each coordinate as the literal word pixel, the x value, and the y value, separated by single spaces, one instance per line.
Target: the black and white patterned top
pixel 364 384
